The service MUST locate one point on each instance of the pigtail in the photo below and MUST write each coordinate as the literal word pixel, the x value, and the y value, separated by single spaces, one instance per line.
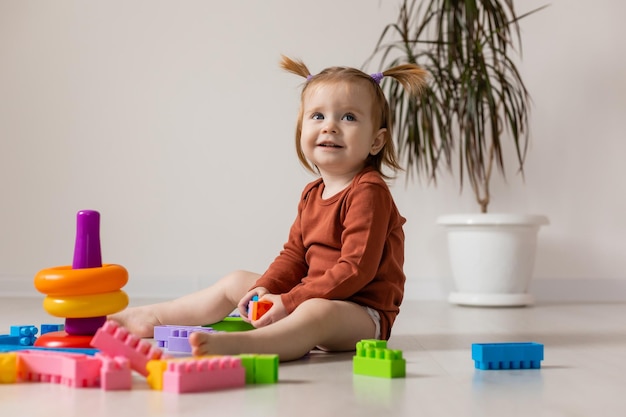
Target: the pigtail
pixel 412 77
pixel 294 66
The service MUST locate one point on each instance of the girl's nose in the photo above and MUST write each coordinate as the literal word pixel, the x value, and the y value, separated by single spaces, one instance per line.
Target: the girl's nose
pixel 329 126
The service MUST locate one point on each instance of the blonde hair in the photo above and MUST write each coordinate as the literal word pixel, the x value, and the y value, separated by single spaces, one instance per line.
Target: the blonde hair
pixel 410 76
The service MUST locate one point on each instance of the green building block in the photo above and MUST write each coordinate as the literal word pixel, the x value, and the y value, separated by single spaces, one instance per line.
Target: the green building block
pixel 231 324
pixel 374 359
pixel 266 369
pixel 260 369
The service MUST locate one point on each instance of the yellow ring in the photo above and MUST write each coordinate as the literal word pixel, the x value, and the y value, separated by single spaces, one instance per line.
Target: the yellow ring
pixel 82 306
pixel 63 280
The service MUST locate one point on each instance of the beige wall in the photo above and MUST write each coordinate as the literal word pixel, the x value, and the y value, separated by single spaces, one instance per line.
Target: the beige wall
pixel 173 120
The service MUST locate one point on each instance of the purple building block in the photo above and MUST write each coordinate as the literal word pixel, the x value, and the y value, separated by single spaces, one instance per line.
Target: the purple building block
pixel 176 338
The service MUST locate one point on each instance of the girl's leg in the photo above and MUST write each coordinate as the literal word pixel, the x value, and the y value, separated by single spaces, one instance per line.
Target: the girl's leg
pixel 208 305
pixel 336 325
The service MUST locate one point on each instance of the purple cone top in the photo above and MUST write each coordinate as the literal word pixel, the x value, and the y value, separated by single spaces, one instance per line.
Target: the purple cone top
pixel 87 252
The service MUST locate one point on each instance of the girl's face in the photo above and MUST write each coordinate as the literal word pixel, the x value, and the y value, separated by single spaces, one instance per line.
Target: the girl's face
pixel 337 130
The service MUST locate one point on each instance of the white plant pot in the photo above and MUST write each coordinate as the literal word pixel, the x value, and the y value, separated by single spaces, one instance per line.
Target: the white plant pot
pixel 492 257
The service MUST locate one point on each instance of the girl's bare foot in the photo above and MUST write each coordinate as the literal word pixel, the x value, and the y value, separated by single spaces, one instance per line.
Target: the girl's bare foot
pixel 216 343
pixel 139 321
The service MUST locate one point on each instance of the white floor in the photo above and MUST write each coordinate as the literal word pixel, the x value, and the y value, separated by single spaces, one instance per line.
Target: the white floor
pixel 583 374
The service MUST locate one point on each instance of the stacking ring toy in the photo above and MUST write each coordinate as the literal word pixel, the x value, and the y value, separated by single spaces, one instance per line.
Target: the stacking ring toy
pixel 63 280
pixel 83 306
pixel 85 292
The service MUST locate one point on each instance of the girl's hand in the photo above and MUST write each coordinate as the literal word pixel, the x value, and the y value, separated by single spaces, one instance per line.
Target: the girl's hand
pixel 243 303
pixel 275 313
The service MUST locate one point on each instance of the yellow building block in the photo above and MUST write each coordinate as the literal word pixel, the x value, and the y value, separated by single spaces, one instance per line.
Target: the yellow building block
pixel 8 368
pixel 155 368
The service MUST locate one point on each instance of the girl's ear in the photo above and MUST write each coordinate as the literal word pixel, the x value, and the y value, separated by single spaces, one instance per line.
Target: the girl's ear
pixel 379 141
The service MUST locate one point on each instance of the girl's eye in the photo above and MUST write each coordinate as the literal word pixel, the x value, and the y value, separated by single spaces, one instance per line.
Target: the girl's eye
pixel 317 116
pixel 349 117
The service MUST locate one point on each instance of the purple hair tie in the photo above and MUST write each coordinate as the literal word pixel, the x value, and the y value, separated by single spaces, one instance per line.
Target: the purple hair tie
pixel 308 77
pixel 377 77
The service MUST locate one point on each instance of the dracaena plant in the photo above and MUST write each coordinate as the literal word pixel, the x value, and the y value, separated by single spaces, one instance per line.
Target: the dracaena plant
pixel 476 100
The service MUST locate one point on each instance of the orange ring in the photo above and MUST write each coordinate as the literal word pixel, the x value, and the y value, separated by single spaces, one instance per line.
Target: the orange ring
pixel 63 280
pixel 82 306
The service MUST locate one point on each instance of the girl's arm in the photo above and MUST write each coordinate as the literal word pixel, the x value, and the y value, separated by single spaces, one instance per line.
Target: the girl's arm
pixel 290 266
pixel 368 219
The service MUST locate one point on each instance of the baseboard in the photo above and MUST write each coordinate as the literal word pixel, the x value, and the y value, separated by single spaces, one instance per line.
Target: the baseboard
pixel 544 290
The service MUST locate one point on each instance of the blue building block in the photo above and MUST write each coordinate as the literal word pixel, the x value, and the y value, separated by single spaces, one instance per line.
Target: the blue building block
pixel 517 355
pixel 6 339
pixel 15 348
pixel 26 334
pixel 49 328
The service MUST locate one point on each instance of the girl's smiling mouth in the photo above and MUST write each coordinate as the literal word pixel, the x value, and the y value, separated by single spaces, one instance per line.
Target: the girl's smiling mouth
pixel 329 145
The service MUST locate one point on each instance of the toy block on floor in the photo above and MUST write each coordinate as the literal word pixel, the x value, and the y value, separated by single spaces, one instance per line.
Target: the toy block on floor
pixel 74 370
pixel 49 328
pixel 115 340
pixel 156 368
pixel 8 368
pixel 374 359
pixel 231 324
pixel 260 369
pixel 176 338
pixel 516 355
pixel 14 348
pixel 8 340
pixel 256 308
pixel 26 334
pixel 115 373
pixel 196 374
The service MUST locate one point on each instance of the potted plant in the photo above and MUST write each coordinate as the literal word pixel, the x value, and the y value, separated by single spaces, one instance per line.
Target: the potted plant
pixel 475 106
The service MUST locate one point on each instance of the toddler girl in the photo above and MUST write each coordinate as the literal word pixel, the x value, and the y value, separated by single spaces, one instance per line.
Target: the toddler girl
pixel 339 278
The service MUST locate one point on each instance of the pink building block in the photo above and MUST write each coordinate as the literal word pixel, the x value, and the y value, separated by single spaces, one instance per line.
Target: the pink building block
pixel 199 374
pixel 72 369
pixel 114 340
pixel 115 373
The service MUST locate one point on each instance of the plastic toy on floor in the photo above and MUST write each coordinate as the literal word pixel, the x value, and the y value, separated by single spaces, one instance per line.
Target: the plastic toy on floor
pixel 516 355
pixel 196 374
pixel 72 369
pixel 114 340
pixel 199 374
pixel 120 353
pixel 23 338
pixel 231 324
pixel 374 359
pixel 20 336
pixel 176 338
pixel 83 293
